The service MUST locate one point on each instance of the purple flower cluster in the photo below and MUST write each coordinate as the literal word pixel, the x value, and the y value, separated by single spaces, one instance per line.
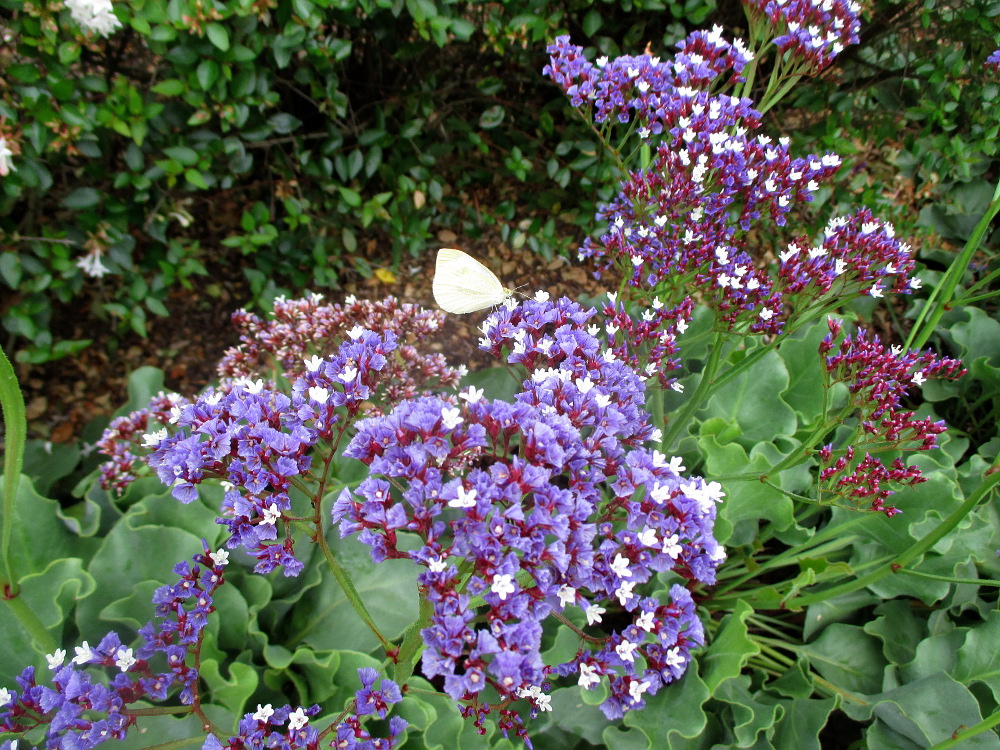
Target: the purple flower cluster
pixel 270 727
pixel 648 343
pixel 993 62
pixel 682 224
pixel 858 251
pixel 302 328
pixel 182 610
pixel 533 508
pixel 877 379
pixel 258 440
pixel 124 437
pixel 814 33
pixel 81 713
pixel 290 729
pixel 868 480
pixel 657 95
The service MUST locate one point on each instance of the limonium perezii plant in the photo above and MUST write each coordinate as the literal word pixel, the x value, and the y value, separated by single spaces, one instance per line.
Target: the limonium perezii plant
pixel 557 537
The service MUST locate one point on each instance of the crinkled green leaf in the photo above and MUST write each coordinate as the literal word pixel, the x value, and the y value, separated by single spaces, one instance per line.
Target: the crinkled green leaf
pixel 236 689
pixel 835 609
pixel 676 710
pixel 801 721
pixel 742 712
pixel 978 657
pixel 805 367
pixel 929 711
pixel 752 400
pixel 848 657
pixel 899 629
pixel 326 620
pixel 729 649
pixel 747 500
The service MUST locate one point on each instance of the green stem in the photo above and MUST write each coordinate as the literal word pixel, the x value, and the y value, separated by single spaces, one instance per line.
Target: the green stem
pixel 15 424
pixel 413 642
pixel 347 585
pixel 960 737
pixel 32 625
pixel 941 298
pixel 705 386
pixel 906 557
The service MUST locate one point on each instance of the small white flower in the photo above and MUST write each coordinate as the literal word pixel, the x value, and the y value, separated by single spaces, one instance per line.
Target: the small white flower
pixel 647 537
pixel 313 364
pixel 319 395
pixel 124 659
pixel 472 395
pixel 6 165
pixel 297 719
pixel 645 621
pixel 264 712
pixel 588 676
pixel 594 613
pixel 5 696
pixel 450 417
pixel 55 659
pixel 566 594
pixel 84 654
pixel 636 689
pixel 624 592
pixel 674 657
pixel 437 565
pixel 620 566
pixel 465 499
pixel 271 515
pixel 918 378
pixel 153 439
pixel 356 332
pixel 503 586
pixel 220 558
pixel 672 546
pixel 94 15
pixel 350 299
pixel 626 651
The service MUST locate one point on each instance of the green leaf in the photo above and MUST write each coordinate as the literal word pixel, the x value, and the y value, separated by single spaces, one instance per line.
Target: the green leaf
pixel 207 74
pixel 492 117
pixel 676 708
pixel 753 401
pixel 235 692
pixel 195 178
pixel 592 22
pixel 218 35
pixel 848 657
pixel 927 712
pixel 185 155
pixel 284 123
pixel 747 501
pixel 730 649
pixel 351 197
pixel 170 87
pixel 325 620
pixel 163 33
pixel 81 198
pixel 743 713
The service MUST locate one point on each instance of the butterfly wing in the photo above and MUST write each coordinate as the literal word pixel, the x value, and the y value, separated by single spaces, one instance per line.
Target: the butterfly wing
pixel 463 285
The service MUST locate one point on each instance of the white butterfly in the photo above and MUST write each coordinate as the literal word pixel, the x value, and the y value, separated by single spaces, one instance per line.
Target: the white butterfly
pixel 463 285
